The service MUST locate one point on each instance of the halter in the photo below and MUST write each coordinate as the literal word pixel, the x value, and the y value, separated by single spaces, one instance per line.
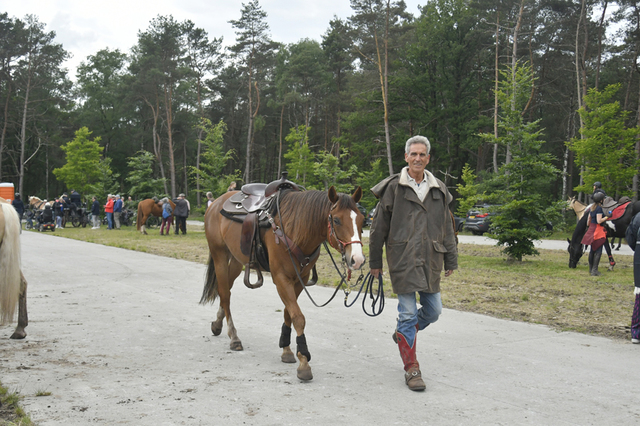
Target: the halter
pixel 341 246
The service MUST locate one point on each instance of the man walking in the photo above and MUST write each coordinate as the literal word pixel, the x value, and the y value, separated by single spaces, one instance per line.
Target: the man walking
pixel 413 221
pixel 181 212
pixel 95 213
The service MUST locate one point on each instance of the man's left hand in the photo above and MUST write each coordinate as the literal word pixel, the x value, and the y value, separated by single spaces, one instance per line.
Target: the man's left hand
pixel 448 272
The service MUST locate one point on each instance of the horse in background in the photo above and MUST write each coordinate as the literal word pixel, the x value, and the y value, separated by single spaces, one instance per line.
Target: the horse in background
pixel 615 228
pixel 149 207
pixel 580 209
pixel 13 285
pixel 300 222
pixel 36 203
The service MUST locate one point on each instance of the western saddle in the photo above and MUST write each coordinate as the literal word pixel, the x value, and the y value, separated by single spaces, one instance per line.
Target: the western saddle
pixel 253 207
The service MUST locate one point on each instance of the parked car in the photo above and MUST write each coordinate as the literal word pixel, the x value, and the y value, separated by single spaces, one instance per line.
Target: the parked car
pixel 370 216
pixel 459 223
pixel 478 219
pixel 367 221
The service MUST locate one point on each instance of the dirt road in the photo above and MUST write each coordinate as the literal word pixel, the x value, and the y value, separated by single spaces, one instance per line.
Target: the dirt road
pixel 117 337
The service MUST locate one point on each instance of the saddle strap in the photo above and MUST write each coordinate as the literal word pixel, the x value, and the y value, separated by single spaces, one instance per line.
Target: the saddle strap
pixel 249 227
pixel 294 249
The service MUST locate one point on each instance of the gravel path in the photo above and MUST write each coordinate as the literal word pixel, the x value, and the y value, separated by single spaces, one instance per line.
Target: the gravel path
pixel 117 337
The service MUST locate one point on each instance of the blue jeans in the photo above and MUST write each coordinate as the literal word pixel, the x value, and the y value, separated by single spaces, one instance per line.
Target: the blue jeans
pixel 409 315
pixel 110 220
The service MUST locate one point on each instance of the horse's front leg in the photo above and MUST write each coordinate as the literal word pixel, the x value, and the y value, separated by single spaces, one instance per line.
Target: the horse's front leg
pixel 23 318
pixel 289 292
pixel 285 340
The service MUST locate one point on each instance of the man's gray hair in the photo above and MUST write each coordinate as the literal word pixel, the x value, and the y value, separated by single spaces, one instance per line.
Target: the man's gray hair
pixel 417 139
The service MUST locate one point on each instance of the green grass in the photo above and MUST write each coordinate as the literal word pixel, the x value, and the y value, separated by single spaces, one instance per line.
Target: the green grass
pixel 10 411
pixel 540 289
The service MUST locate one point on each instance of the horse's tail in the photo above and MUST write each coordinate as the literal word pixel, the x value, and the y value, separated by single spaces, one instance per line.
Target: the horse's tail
pixel 9 264
pixel 139 218
pixel 210 291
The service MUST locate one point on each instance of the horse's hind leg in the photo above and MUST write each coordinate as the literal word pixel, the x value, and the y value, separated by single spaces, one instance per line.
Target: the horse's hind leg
pixel 227 271
pixel 23 319
pixel 216 326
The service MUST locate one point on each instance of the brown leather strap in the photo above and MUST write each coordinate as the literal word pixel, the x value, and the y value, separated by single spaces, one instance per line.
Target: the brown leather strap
pixel 248 233
pixel 294 249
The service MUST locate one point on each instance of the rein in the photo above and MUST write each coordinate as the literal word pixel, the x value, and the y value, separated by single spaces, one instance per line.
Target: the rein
pixel 365 281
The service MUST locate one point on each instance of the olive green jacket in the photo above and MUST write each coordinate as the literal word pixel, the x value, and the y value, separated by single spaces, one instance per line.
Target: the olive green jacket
pixel 419 236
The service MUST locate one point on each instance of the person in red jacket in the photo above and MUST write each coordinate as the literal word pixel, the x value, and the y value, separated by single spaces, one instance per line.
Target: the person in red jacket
pixel 108 209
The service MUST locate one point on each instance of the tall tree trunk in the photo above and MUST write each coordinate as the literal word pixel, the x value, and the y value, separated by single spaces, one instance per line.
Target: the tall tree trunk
pixel 157 143
pixel 198 193
pixel 4 125
pixel 168 95
pixel 635 176
pixel 579 76
pixel 514 62
pixel 247 167
pixel 384 81
pixel 495 96
pixel 23 133
pixel 600 33
pixel 185 172
pixel 280 149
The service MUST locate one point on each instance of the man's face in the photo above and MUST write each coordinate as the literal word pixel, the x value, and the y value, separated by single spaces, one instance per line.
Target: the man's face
pixel 417 158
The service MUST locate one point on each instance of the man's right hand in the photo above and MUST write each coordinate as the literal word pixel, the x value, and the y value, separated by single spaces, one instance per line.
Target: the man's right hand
pixel 376 272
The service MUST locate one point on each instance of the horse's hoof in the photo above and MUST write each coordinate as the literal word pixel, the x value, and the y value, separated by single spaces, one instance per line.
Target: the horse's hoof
pixel 236 346
pixel 305 374
pixel 287 356
pixel 18 335
pixel 216 330
pixel 304 370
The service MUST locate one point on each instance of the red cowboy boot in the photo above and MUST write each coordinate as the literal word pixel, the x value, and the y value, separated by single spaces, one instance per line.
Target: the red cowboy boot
pixel 412 375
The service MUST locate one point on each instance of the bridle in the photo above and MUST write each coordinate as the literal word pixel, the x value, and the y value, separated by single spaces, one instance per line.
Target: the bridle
pixel 340 245
pixel 366 283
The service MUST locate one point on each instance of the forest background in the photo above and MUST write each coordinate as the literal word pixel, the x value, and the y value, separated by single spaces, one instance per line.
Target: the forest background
pixel 184 114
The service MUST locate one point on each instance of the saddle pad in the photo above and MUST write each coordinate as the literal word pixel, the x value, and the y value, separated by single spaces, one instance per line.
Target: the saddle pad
pixel 618 211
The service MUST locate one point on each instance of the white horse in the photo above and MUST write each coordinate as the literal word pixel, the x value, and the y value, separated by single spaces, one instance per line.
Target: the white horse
pixel 13 286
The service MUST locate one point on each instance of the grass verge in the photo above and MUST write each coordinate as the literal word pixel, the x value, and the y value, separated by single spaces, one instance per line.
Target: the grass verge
pixel 540 289
pixel 11 414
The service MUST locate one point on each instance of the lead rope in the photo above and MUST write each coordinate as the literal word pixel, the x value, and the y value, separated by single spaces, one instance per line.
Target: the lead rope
pixel 368 280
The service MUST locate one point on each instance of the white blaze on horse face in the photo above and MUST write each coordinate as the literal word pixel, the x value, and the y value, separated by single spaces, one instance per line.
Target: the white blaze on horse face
pixel 354 251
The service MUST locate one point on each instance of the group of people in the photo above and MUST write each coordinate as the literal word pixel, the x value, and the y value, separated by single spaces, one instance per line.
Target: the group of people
pixel 180 212
pixel 112 209
pixel 596 238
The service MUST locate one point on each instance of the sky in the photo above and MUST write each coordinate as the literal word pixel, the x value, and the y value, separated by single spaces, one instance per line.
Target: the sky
pixel 85 27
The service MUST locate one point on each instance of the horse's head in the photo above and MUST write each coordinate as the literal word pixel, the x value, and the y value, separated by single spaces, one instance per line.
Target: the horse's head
pixel 345 227
pixel 575 253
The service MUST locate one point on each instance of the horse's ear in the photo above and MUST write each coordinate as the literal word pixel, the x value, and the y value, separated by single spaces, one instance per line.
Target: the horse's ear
pixel 333 195
pixel 569 241
pixel 357 195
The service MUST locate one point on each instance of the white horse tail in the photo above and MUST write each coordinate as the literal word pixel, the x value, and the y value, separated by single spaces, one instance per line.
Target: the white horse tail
pixel 9 264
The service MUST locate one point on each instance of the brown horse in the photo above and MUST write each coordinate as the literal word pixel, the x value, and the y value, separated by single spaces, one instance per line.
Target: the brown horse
pixel 149 207
pixel 307 218
pixel 13 286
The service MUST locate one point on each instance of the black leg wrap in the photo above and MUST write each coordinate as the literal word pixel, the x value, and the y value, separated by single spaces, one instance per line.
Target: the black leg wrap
pixel 301 341
pixel 285 336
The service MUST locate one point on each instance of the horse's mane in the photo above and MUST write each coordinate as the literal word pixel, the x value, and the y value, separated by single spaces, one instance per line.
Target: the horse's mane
pixel 305 214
